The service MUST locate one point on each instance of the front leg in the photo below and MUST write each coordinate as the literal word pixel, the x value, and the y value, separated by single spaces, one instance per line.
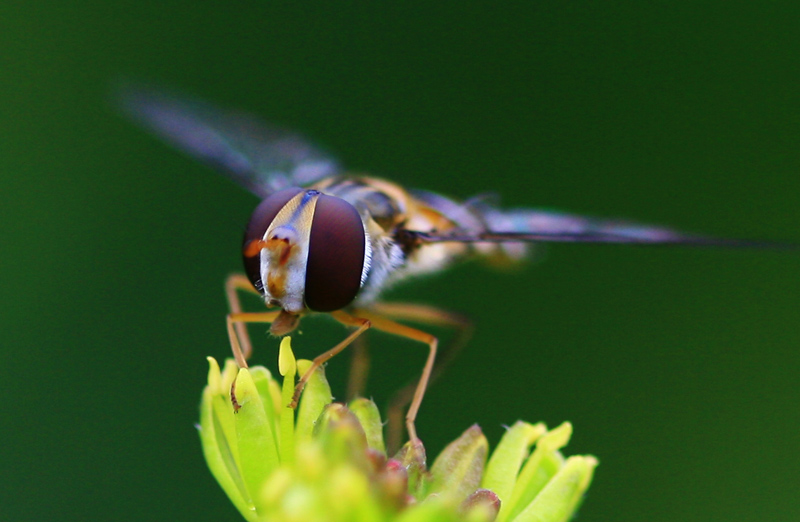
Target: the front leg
pixel 240 340
pixel 347 320
pixel 236 320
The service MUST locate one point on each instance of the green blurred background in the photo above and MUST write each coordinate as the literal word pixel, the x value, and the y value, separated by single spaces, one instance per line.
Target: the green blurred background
pixel 678 367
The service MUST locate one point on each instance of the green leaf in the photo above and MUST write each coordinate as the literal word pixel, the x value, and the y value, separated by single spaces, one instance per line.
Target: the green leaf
pixel 481 506
pixel 506 460
pixel 265 384
pixel 258 451
pixel 412 458
pixel 542 465
pixel 459 467
pixel 561 496
pixel 218 440
pixel 316 395
pixel 370 418
pixel 431 510
pixel 342 436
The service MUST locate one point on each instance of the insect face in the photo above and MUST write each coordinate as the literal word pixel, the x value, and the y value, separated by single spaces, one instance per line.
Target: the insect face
pixel 304 250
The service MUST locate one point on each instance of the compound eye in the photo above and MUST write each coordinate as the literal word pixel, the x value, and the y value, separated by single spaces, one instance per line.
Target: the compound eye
pixel 335 255
pixel 259 222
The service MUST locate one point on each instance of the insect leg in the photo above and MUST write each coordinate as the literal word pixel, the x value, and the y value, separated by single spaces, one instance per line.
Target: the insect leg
pixel 240 318
pixel 425 315
pixel 233 284
pixel 359 368
pixel 347 320
pixel 387 325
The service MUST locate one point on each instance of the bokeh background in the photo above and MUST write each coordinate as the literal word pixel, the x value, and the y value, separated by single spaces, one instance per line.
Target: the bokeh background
pixel 677 366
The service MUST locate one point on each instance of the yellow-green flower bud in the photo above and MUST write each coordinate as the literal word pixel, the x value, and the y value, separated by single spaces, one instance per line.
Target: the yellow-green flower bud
pixel 331 463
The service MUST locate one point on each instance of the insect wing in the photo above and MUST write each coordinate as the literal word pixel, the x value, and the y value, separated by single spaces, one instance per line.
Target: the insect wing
pixel 489 224
pixel 260 157
pixel 544 225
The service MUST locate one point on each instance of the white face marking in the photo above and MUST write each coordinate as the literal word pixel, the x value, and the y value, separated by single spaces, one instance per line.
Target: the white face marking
pixel 284 260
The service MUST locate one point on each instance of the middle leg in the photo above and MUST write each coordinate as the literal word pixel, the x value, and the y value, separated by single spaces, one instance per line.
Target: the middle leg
pixel 387 325
pixel 426 315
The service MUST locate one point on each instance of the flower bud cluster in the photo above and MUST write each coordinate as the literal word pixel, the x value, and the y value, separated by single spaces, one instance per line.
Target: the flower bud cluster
pixel 330 463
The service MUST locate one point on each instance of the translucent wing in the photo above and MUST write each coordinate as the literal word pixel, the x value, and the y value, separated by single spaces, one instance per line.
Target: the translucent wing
pixel 479 222
pixel 259 157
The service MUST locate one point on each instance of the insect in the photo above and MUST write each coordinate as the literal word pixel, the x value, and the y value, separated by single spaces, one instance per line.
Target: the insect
pixel 323 241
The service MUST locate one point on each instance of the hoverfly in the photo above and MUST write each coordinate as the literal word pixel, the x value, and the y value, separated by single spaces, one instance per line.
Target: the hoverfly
pixel 323 241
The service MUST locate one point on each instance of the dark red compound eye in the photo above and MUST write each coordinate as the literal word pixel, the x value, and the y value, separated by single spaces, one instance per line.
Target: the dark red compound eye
pixel 335 255
pixel 260 221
